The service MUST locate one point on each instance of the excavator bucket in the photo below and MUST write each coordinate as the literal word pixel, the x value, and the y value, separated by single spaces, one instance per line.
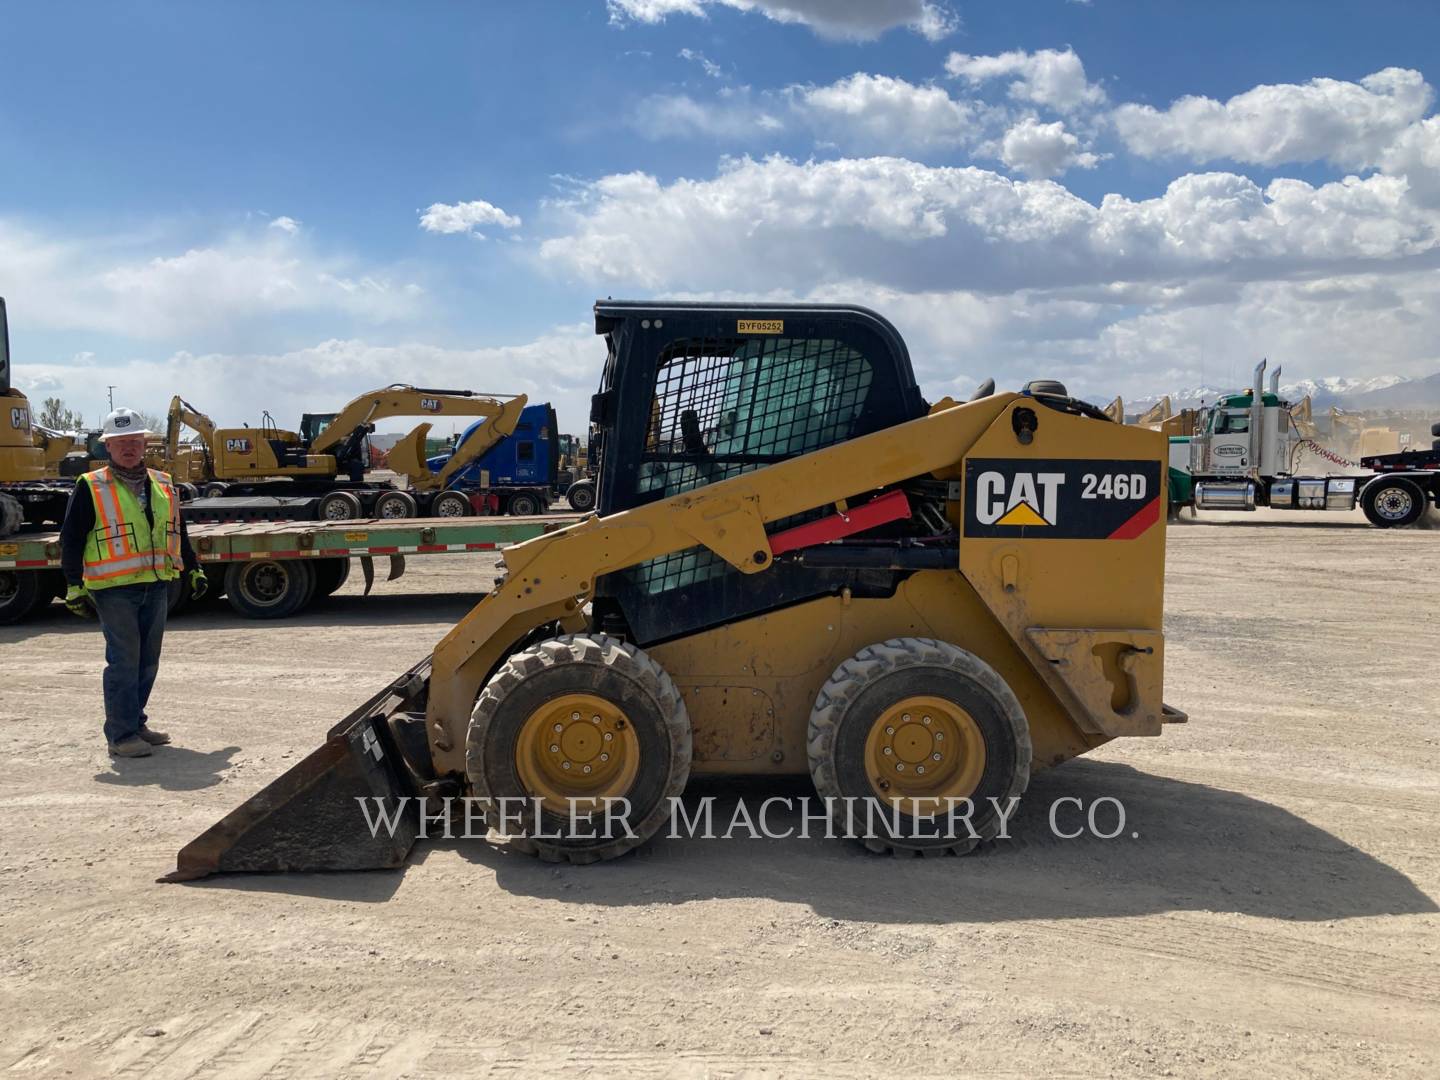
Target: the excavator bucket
pixel 349 805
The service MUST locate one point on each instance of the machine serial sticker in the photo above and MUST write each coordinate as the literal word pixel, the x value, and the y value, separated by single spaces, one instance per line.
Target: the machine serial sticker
pixel 1061 499
pixel 761 326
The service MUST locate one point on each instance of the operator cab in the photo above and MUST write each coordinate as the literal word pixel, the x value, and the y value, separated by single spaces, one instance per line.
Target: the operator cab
pixel 694 393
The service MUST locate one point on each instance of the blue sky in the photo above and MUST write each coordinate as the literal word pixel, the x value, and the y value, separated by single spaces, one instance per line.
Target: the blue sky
pixel 229 201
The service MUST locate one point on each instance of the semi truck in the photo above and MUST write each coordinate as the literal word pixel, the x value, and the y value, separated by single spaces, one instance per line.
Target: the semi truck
pixel 1243 455
pixel 519 475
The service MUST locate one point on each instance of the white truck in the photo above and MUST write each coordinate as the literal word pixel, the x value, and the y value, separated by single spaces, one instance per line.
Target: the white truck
pixel 1244 452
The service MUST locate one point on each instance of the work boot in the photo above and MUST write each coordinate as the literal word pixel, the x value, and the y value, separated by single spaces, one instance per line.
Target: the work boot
pixel 131 747
pixel 154 738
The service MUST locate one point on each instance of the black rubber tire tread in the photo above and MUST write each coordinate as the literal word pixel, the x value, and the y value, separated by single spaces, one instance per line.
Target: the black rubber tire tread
pixel 586 490
pixel 1435 429
pixel 24 593
pixel 349 498
pixel 869 668
pixel 302 583
pixel 214 490
pixel 523 504
pixel 12 515
pixel 445 496
pixel 330 574
pixel 402 498
pixel 590 659
pixel 1371 495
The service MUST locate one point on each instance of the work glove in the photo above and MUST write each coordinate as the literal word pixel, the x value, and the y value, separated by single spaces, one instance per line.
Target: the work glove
pixel 77 600
pixel 199 584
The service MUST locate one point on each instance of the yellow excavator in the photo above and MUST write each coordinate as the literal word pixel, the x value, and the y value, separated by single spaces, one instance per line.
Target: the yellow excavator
pixel 273 463
pixel 797 567
pixel 28 490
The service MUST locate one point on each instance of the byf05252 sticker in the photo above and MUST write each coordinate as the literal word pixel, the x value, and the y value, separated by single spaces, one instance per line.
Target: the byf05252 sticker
pixel 1062 499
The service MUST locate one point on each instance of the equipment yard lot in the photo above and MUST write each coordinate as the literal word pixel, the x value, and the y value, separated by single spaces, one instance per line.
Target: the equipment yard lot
pixel 1276 911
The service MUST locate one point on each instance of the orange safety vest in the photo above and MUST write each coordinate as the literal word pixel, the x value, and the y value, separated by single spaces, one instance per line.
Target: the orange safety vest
pixel 124 548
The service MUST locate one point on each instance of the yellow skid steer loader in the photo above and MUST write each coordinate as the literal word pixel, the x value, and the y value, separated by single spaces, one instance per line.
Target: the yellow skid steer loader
pixel 797 566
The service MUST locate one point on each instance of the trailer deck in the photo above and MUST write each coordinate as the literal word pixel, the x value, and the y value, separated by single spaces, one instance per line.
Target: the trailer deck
pixel 272 569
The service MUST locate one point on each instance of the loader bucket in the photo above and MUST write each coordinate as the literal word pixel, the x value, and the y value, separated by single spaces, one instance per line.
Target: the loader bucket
pixel 311 818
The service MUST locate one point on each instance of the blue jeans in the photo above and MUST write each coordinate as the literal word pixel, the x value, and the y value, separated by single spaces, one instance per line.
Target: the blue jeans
pixel 133 619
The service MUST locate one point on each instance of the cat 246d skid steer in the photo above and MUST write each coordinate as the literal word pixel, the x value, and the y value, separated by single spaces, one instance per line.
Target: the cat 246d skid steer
pixel 796 566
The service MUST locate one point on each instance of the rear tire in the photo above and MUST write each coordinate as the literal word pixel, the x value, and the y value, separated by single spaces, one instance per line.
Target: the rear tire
pixel 450 504
pixel 12 515
pixel 581 496
pixel 330 574
pixel 269 588
pixel 394 505
pixel 22 593
pixel 873 718
pixel 340 506
pixel 509 753
pixel 1393 503
pixel 523 504
pixel 214 491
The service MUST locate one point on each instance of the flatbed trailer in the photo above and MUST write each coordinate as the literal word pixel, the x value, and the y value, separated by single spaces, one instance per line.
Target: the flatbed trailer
pixel 273 569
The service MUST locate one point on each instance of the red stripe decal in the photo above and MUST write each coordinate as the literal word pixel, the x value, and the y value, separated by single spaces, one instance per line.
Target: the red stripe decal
pixel 383 550
pixel 26 563
pixel 886 508
pixel 334 552
pixel 480 547
pixel 1143 518
pixel 421 549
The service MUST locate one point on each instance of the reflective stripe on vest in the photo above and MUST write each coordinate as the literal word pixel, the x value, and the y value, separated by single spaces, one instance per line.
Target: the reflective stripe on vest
pixel 114 552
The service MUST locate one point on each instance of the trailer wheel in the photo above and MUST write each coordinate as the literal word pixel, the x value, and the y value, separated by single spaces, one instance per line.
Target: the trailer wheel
pixel 395 504
pixel 915 741
pixel 340 506
pixel 450 504
pixel 585 723
pixel 12 514
pixel 1392 503
pixel 214 491
pixel 22 593
pixel 176 596
pixel 523 504
pixel 269 588
pixel 330 574
pixel 581 496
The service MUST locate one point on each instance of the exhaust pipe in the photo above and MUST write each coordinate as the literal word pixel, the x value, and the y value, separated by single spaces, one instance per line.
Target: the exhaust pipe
pixel 1257 416
pixel 1275 380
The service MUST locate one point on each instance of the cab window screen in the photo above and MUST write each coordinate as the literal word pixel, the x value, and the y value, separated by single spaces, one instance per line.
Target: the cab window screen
pixel 723 407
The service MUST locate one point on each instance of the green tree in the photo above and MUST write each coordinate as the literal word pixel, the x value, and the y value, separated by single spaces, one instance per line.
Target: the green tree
pixel 54 415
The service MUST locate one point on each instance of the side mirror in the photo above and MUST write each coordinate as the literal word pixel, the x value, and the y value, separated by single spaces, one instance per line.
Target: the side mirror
pixel 4 349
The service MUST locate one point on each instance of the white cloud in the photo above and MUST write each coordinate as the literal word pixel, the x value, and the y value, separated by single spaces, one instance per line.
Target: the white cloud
pixel 855 20
pixel 1346 123
pixel 1416 156
pixel 561 366
pixel 734 114
pixel 465 217
pixel 286 224
pixel 1043 150
pixel 707 65
pixel 884 112
pixel 777 223
pixel 1048 77
pixel 146 291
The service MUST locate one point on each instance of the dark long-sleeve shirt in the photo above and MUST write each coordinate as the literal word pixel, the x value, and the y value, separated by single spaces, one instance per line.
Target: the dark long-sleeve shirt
pixel 80 520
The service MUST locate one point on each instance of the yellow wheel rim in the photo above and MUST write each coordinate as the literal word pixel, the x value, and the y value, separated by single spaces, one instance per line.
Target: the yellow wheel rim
pixel 577 750
pixel 922 751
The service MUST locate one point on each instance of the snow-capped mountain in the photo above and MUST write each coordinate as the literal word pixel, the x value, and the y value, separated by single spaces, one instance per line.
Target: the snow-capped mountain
pixel 1338 390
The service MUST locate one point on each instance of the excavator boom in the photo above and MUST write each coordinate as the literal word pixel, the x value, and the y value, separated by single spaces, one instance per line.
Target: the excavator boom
pixel 402 400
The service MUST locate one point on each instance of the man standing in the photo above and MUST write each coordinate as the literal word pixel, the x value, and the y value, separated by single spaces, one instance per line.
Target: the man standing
pixel 122 543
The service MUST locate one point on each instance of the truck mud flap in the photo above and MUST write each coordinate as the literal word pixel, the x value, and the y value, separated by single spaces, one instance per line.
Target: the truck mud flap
pixel 312 817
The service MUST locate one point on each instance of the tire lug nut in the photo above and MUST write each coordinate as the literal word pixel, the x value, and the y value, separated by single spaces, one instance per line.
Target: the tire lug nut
pixel 554 749
pixel 888 750
pixel 559 727
pixel 935 757
pixel 604 757
pixel 905 719
pixel 889 731
pixel 899 766
pixel 565 764
pixel 919 768
pixel 926 720
pixel 574 716
pixel 586 769
pixel 608 736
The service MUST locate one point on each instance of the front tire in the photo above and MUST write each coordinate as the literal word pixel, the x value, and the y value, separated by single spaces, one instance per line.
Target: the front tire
pixel 523 505
pixel 910 730
pixel 576 721
pixel 1393 503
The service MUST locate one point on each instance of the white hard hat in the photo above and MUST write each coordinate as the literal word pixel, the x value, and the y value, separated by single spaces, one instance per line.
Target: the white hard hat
pixel 123 422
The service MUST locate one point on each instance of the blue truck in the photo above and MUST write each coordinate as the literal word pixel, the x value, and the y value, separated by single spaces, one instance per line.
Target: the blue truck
pixel 519 475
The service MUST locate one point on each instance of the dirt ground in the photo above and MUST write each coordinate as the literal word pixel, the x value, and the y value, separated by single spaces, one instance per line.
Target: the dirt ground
pixel 1274 912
